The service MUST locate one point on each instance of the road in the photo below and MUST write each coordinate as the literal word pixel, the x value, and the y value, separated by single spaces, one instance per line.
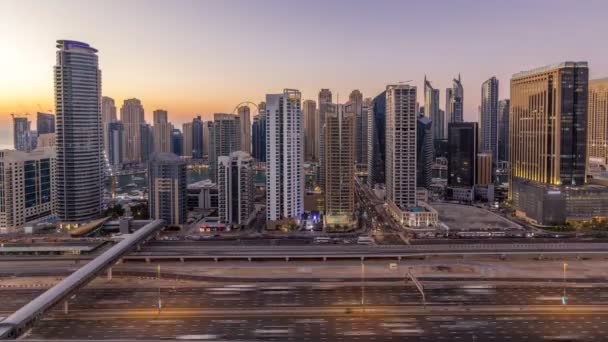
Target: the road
pixel 322 312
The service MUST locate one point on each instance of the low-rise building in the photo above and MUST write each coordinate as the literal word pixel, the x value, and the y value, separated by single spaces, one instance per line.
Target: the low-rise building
pixel 202 195
pixel 421 216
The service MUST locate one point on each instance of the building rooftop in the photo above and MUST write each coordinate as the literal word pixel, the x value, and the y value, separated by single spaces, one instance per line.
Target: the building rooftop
pixel 166 157
pixel 567 64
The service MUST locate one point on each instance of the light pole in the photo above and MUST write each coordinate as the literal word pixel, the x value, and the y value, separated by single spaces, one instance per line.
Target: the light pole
pixel 564 297
pixel 362 282
pixel 160 303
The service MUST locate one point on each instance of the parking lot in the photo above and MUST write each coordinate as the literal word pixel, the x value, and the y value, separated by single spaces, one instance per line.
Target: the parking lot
pixel 464 217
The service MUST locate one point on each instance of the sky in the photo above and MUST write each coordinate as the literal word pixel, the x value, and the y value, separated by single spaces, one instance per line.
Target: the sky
pixel 200 57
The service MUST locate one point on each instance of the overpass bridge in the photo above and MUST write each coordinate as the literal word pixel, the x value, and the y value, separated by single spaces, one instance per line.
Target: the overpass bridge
pixel 17 323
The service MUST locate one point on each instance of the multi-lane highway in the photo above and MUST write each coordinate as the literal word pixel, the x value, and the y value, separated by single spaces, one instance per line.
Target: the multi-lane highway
pixel 330 312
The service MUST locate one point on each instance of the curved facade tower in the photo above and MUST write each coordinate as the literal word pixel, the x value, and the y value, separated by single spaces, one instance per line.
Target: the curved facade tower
pixel 79 133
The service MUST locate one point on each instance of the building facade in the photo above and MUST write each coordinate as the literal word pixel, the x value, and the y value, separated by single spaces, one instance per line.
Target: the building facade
pixel 284 156
pixel 196 132
pixel 45 123
pixel 26 187
pixel 355 100
pixel 244 113
pixel 597 125
pixel 503 130
pixel 146 141
pixel 167 188
pixel 21 134
pixel 431 110
pixel 488 117
pixel 132 117
pixel 484 169
pixel 108 115
pixel 311 139
pixel 163 131
pixel 236 189
pixel 79 136
pixel 454 101
pixel 177 142
pixel 462 154
pixel 225 138
pixel 376 132
pixel 424 152
pixel 187 132
pixel 115 148
pixel 325 100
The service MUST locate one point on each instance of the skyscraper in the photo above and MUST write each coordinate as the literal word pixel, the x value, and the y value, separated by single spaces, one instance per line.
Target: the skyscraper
pixel 115 143
pixel 45 123
pixel 207 127
pixel 488 118
pixel 197 136
pixel 401 146
pixel 483 172
pixel 340 141
pixel 21 133
pixel 454 101
pixel 260 144
pixel 132 117
pixel 311 139
pixel 187 130
pixel 225 138
pixel 462 154
pixel 245 119
pixel 108 114
pixel 167 184
pixel 424 152
pixel 79 133
pixel 146 141
pixel 431 109
pixel 236 189
pixel 325 99
pixel 503 130
pixel 177 142
pixel 284 156
pixel 376 159
pixel 163 131
pixel 356 104
pixel 597 126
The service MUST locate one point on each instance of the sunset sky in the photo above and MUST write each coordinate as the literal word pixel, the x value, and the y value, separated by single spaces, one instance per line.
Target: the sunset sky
pixel 201 57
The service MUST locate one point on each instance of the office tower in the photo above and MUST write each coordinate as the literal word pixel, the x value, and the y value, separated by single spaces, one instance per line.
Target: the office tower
pixel 484 169
pixel 236 189
pixel 503 130
pixel 401 146
pixel 146 142
pixel 225 138
pixel 132 117
pixel 488 117
pixel 46 140
pixel 260 134
pixel 207 127
pixel 79 145
pixel 197 138
pixel 26 189
pixel 311 139
pixel 108 114
pixel 367 104
pixel 431 109
pixel 356 103
pixel 245 119
pixel 21 134
pixel 167 188
pixel 340 139
pixel 187 133
pixel 376 159
pixel 284 156
pixel 177 142
pixel 45 123
pixel 163 131
pixel 597 125
pixel 424 152
pixel 454 99
pixel 325 99
pixel 33 140
pixel 548 143
pixel 462 154
pixel 115 147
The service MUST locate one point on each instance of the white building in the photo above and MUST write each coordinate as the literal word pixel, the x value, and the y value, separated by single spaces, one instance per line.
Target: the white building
pixel 235 189
pixel 284 156
pixel 26 183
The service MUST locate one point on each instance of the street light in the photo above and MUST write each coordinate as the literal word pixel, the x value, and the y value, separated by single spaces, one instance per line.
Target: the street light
pixel 564 297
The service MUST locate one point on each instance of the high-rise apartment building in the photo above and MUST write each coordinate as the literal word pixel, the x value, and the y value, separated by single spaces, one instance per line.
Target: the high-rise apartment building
pixel 462 154
pixel 424 152
pixel 115 148
pixel 21 133
pixel 259 134
pixel 325 99
pixel 503 130
pixel 108 115
pixel 311 139
pixel 197 138
pixel 245 118
pixel 488 118
pixel 79 136
pixel 376 128
pixel 356 104
pixel 45 123
pixel 187 132
pixel 167 188
pixel 236 189
pixel 284 156
pixel 431 110
pixel 177 142
pixel 225 138
pixel 483 172
pixel 26 187
pixel 146 141
pixel 401 146
pixel 597 121
pixel 548 138
pixel 454 99
pixel 340 140
pixel 163 132
pixel 207 127
pixel 132 117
